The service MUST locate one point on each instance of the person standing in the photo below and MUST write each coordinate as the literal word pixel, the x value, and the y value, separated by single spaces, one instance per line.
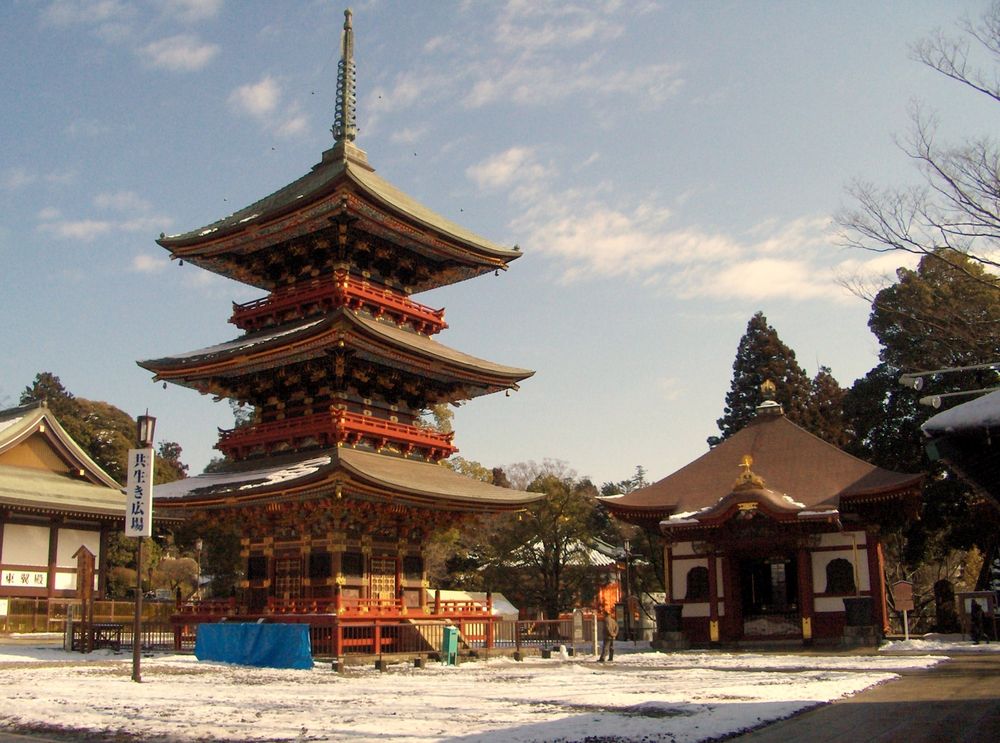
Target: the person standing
pixel 610 633
pixel 978 622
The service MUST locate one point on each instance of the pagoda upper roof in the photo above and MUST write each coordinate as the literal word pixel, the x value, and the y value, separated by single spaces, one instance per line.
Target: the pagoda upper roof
pixel 308 204
pixel 318 475
pixel 803 475
pixel 315 336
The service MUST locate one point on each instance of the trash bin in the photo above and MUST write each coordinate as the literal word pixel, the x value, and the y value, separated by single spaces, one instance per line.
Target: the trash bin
pixel 449 646
pixel 668 618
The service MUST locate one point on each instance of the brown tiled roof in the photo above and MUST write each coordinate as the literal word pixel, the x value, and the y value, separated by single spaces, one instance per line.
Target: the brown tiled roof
pixel 790 460
pixel 322 182
pixel 317 474
pixel 305 336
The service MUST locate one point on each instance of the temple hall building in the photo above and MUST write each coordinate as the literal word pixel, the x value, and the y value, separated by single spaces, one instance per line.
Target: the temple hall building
pixel 774 534
pixel 54 499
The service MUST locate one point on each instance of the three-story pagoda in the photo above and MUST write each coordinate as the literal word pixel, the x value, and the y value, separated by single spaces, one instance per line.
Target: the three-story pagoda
pixel 335 483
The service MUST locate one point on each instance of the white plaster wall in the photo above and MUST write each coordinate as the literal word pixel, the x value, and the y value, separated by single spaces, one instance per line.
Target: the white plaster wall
pixel 679 572
pixel 26 545
pixel 830 604
pixel 846 552
pixel 70 540
pixel 842 539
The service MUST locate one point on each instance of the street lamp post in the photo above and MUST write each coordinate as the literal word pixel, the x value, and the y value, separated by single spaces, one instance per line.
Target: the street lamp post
pixel 139 519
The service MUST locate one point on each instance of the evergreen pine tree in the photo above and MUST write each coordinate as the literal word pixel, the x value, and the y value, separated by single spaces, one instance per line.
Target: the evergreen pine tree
pixel 761 356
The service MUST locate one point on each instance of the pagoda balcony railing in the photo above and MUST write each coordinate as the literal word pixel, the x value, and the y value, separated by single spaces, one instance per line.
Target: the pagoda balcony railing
pixel 285 305
pixel 330 429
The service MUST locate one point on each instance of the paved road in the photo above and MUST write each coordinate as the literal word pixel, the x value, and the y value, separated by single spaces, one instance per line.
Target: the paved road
pixel 957 701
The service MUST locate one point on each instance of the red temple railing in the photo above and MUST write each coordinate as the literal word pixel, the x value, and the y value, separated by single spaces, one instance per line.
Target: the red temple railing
pixel 332 428
pixel 285 305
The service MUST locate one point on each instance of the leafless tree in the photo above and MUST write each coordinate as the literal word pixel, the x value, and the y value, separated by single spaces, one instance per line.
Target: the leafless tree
pixel 957 208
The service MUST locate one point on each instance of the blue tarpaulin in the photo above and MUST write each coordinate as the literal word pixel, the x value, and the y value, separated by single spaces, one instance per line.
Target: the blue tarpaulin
pixel 264 645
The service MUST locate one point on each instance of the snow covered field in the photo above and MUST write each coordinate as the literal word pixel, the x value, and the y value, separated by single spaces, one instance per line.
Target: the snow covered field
pixel 643 696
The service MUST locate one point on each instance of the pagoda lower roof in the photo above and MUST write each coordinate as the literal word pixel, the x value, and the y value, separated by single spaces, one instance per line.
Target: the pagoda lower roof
pixel 313 337
pixel 342 469
pixel 803 471
pixel 318 196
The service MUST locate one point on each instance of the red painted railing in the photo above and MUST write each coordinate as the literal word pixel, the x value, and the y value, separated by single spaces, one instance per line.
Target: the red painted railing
pixel 332 428
pixel 318 295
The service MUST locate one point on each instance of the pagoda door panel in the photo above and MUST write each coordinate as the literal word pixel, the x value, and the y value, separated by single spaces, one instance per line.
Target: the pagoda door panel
pixel 288 577
pixel 383 585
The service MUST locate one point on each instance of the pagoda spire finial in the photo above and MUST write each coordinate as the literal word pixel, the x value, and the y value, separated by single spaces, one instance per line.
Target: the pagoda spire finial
pixel 345 127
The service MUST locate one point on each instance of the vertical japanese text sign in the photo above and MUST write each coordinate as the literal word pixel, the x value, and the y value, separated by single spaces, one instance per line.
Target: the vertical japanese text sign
pixel 139 494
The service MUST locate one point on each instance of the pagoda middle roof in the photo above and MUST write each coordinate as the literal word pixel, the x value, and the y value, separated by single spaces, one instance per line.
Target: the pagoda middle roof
pixel 317 475
pixel 316 335
pixel 317 195
pixel 799 467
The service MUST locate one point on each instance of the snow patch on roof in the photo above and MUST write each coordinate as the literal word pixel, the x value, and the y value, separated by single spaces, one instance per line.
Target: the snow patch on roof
pixel 11 422
pixel 300 469
pixel 788 499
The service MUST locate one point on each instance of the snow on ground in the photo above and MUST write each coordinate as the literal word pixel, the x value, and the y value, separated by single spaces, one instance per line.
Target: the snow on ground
pixel 643 696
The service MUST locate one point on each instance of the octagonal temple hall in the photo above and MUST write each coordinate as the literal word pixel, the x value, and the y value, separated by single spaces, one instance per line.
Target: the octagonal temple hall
pixel 335 484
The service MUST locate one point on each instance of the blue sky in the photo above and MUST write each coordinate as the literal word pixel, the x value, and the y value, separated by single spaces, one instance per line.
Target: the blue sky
pixel 668 169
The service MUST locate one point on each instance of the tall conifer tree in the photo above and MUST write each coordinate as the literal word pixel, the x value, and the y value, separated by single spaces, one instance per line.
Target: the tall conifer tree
pixel 762 356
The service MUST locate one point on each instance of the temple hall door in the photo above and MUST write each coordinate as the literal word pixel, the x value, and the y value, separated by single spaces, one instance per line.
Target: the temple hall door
pixel 769 597
pixel 383 586
pixel 288 577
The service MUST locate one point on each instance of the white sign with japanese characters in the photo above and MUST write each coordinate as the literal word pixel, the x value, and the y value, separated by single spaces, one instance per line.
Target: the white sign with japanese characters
pixel 24 578
pixel 139 494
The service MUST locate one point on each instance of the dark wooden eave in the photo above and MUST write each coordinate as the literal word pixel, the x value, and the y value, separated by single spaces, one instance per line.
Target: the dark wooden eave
pixel 342 329
pixel 344 192
pixel 342 472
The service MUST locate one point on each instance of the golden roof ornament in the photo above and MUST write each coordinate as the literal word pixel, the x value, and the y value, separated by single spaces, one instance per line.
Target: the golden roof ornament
pixel 768 405
pixel 747 479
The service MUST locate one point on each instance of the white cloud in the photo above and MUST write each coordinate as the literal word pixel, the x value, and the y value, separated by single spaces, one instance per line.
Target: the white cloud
pixel 84 230
pixel 408 135
pixel 17 178
pixel 192 11
pixel 293 125
pixel 261 101
pixel 122 201
pixel 257 99
pixel 146 263
pixel 136 217
pixel 515 165
pixel 86 128
pixel 76 12
pixel 180 53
